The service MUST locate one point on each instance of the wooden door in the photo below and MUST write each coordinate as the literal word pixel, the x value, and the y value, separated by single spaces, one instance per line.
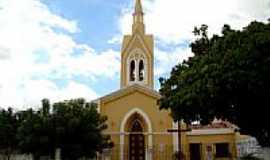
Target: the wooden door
pixel 136 142
pixel 195 151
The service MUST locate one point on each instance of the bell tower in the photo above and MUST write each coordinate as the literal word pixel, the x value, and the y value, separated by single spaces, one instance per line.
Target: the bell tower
pixel 137 56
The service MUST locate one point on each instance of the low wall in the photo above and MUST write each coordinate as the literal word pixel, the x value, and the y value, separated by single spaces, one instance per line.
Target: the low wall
pixel 17 157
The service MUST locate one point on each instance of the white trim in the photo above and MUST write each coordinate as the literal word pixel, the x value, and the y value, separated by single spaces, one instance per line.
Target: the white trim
pixel 133 57
pixel 122 131
pixel 144 133
pixel 129 47
pixel 195 132
pixel 175 138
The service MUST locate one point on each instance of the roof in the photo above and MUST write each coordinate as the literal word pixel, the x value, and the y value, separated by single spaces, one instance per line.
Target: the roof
pixel 210 131
pixel 215 125
pixel 130 89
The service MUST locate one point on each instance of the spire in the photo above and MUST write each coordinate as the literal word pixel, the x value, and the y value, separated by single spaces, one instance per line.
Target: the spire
pixel 138 24
pixel 138 7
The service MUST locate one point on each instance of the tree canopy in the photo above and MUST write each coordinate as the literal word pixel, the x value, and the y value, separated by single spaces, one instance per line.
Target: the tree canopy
pixel 78 129
pixel 36 134
pixel 227 78
pixel 73 126
pixel 8 129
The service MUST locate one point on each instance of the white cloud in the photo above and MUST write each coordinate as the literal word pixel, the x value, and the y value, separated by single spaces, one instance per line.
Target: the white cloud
pixel 172 21
pixel 116 39
pixel 29 93
pixel 4 53
pixel 31 47
pixel 259 10
pixel 103 64
pixel 165 61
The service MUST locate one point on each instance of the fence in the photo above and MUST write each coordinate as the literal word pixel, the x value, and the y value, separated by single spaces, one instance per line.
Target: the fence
pixel 157 152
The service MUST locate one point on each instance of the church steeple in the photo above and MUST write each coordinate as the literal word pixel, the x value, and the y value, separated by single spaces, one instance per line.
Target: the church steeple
pixel 138 24
pixel 138 7
pixel 137 53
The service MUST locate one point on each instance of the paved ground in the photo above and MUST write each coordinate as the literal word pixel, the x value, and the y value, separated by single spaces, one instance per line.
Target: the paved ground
pixel 266 153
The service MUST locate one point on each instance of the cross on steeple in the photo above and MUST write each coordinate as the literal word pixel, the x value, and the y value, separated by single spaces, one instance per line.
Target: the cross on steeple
pixel 138 24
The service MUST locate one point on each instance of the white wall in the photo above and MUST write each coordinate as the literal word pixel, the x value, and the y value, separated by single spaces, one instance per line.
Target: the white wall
pixel 18 157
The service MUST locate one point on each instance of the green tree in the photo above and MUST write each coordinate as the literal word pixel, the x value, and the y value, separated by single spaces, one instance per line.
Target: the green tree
pixel 79 129
pixel 74 126
pixel 228 78
pixel 8 129
pixel 36 134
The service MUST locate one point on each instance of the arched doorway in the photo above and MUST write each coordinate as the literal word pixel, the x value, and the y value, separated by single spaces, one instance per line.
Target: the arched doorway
pixel 136 141
pixel 127 125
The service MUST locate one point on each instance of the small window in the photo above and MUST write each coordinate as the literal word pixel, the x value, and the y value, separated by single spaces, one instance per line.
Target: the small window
pixel 141 70
pixel 132 71
pixel 222 150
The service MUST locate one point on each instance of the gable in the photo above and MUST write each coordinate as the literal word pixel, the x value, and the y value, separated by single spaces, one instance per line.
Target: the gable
pixel 137 41
pixel 132 99
pixel 134 89
pixel 118 104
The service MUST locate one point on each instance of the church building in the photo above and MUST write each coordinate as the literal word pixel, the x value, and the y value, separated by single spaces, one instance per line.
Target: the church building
pixel 138 129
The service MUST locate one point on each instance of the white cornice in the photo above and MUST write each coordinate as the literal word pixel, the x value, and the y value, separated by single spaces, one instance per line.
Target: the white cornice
pixel 215 131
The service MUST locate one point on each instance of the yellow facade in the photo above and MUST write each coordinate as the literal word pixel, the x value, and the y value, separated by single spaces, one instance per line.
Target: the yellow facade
pixel 122 105
pixel 210 140
pixel 133 111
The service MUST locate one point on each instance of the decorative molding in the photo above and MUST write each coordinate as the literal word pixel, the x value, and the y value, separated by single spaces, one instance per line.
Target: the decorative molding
pixel 196 132
pixel 129 89
pixel 137 55
pixel 144 133
pixel 122 130
pixel 133 38
pixel 147 50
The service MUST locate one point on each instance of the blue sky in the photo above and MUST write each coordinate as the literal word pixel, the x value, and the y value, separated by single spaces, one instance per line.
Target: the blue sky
pixel 93 16
pixel 98 23
pixel 63 49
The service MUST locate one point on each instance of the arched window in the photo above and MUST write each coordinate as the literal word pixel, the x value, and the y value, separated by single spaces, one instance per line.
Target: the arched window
pixel 132 71
pixel 141 70
pixel 136 126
